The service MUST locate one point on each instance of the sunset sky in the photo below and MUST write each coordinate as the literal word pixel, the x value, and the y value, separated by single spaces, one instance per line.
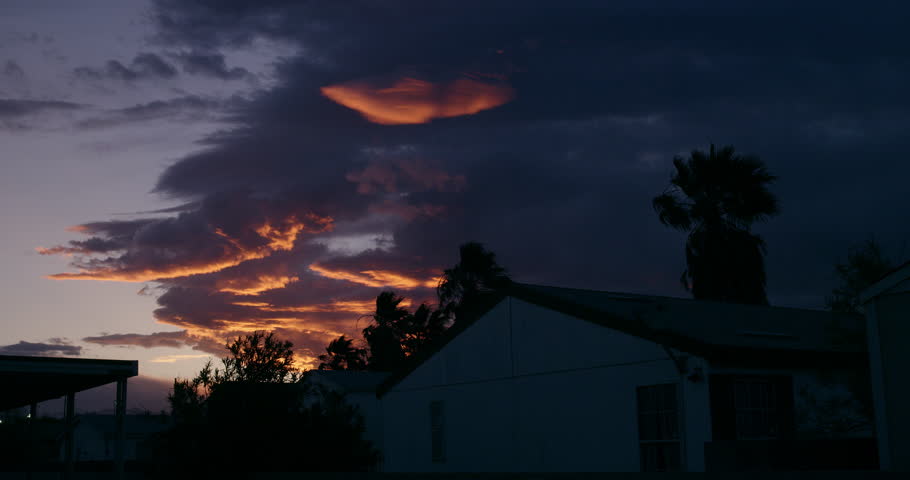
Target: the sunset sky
pixel 175 173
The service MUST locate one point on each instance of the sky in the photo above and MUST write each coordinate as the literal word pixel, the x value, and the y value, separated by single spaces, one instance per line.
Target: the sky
pixel 177 173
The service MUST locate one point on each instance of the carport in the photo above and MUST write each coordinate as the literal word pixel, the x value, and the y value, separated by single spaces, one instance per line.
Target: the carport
pixel 27 381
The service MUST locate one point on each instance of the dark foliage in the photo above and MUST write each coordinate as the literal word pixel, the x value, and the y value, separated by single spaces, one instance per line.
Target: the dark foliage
pixel 865 265
pixel 253 415
pixel 341 354
pixel 475 277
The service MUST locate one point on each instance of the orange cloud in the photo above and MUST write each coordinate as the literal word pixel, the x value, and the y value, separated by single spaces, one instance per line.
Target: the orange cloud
pixel 353 306
pixel 174 358
pixel 255 286
pixel 376 278
pixel 279 236
pixel 411 101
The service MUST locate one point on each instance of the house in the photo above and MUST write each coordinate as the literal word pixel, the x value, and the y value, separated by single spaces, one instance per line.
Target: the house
pixel 94 436
pixel 359 390
pixel 887 310
pixel 557 379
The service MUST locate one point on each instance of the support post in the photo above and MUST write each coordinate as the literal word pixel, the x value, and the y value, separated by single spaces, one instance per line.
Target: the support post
pixel 32 443
pixel 69 413
pixel 118 434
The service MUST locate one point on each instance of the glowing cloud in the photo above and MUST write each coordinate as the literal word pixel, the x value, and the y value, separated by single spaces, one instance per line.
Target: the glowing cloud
pixel 267 237
pixel 352 306
pixel 377 278
pixel 256 285
pixel 174 358
pixel 411 101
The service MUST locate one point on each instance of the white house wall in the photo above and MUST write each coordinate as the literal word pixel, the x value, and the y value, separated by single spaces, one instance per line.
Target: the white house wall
pixel 889 329
pixel 530 389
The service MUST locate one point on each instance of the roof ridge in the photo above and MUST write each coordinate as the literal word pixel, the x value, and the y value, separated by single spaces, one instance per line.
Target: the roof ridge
pixel 680 299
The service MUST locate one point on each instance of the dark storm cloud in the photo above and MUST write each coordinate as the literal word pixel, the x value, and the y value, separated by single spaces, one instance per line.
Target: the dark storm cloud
pixel 12 70
pixel 144 66
pixel 225 231
pixel 176 339
pixel 182 109
pixel 210 65
pixel 146 340
pixel 8 39
pixel 22 114
pixel 558 178
pixel 54 347
pixel 15 108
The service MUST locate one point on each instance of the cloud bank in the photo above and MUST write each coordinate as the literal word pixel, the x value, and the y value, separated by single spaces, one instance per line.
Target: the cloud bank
pixel 400 130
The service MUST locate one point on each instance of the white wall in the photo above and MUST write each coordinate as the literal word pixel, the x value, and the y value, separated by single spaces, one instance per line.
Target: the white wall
pixel 889 328
pixel 530 389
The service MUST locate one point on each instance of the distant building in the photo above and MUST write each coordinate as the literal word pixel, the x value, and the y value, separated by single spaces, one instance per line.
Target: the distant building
pixel 94 436
pixel 555 379
pixel 887 308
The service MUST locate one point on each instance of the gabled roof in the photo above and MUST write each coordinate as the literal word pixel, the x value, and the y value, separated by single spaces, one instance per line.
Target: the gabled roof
pixel 887 282
pixel 724 332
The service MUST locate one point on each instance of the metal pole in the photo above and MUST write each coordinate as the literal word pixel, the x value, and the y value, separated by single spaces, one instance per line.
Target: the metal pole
pixel 118 434
pixel 32 444
pixel 69 422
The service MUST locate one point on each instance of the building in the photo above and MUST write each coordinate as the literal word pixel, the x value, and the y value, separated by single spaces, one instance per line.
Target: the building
pixel 28 381
pixel 95 440
pixel 555 379
pixel 887 309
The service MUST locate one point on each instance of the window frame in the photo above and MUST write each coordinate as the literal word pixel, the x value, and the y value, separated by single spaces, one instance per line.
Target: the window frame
pixel 437 431
pixel 667 435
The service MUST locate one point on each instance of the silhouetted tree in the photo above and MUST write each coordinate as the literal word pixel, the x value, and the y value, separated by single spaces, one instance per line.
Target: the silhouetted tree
pixel 422 328
pixel 254 358
pixel 864 266
pixel 716 197
pixel 264 420
pixel 342 355
pixel 259 357
pixel 475 277
pixel 188 397
pixel 384 336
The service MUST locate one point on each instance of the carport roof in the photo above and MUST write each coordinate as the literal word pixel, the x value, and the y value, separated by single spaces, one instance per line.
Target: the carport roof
pixel 27 380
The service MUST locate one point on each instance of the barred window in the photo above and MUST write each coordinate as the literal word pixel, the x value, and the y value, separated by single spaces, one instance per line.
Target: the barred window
pixel 754 399
pixel 658 428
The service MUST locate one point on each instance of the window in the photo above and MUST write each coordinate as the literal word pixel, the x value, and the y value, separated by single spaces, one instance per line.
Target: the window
pixel 658 428
pixel 437 431
pixel 755 403
pixel 751 407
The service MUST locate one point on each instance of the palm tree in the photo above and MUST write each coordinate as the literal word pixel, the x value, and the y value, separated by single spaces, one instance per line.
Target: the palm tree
pixel 342 355
pixel 476 276
pixel 423 327
pixel 385 335
pixel 716 197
